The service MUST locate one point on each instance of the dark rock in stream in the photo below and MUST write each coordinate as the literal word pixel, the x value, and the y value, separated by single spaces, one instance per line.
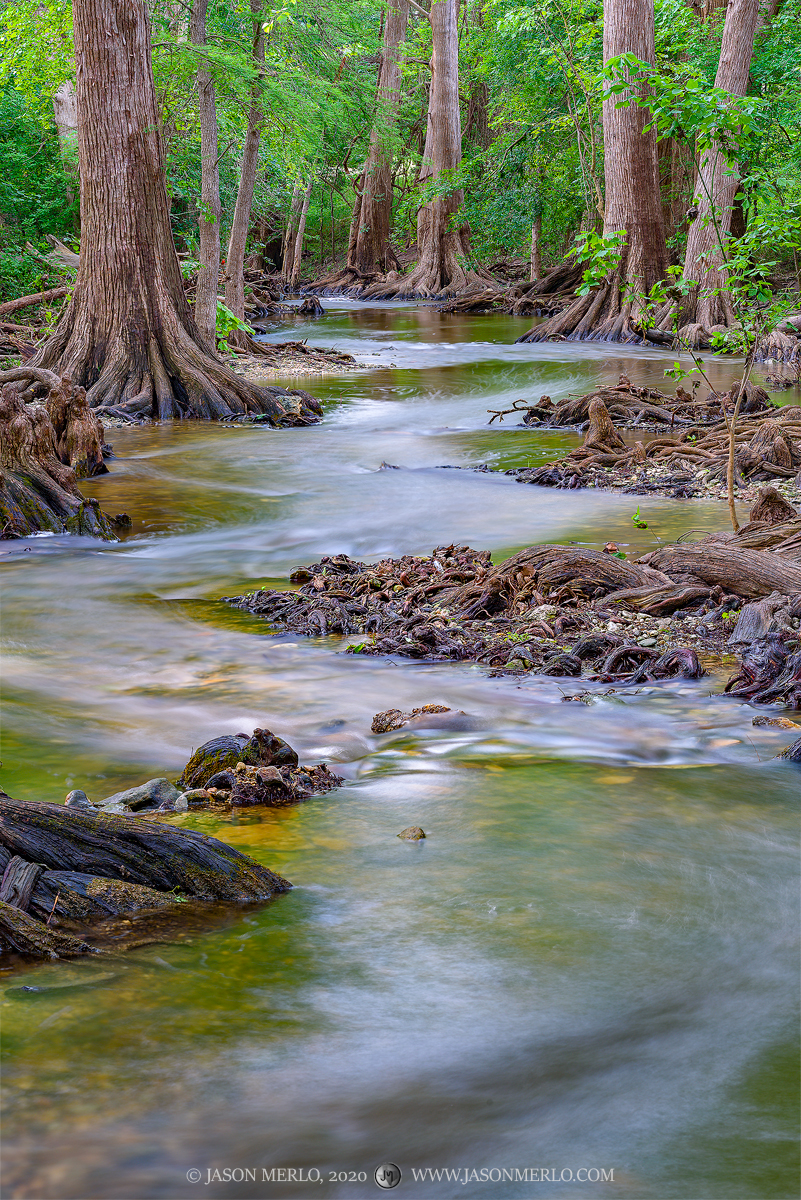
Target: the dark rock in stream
pixel 262 769
pixel 393 718
pixel 413 834
pixel 222 754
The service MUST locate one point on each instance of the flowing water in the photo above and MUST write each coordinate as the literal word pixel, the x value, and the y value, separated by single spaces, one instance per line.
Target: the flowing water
pixel 588 964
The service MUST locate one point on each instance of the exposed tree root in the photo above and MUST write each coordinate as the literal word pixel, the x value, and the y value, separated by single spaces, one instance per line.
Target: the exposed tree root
pixel 602 315
pixel 630 407
pixel 767 445
pixel 349 281
pixel 456 605
pixel 45 446
pixel 523 613
pixel 167 377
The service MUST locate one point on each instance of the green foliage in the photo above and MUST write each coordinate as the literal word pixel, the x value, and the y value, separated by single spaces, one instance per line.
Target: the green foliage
pixel 637 520
pixel 600 256
pixel 226 323
pixel 33 196
pixel 532 83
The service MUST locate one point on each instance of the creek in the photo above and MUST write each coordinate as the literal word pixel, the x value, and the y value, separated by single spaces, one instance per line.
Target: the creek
pixel 590 961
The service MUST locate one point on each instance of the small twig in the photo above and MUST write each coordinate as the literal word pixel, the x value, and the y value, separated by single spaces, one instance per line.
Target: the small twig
pixel 53 909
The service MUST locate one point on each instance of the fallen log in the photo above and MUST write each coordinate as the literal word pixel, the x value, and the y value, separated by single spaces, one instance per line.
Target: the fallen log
pixel 22 933
pixel 10 306
pixel 134 850
pixel 31 330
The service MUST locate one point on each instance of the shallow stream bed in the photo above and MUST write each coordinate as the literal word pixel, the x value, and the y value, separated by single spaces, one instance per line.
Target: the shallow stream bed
pixel 589 963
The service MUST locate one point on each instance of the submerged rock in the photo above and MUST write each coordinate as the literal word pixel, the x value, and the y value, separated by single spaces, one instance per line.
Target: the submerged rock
pixel 413 834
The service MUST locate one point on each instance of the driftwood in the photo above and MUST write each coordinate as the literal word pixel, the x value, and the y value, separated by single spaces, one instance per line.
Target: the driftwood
pixel 773 615
pixel 79 898
pixel 18 882
pixel 22 933
pixel 134 850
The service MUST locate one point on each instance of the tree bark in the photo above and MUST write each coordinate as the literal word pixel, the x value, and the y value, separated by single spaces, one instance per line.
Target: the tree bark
pixel 128 333
pixel 208 220
pixel 134 850
pixel 235 259
pixel 288 259
pixel 65 111
pixel 439 271
pixel 373 211
pixel 632 201
pixel 535 266
pixel 709 303
pixel 297 253
pixel 44 449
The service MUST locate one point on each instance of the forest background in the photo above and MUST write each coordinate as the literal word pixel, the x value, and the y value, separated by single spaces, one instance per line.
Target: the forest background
pixel 530 174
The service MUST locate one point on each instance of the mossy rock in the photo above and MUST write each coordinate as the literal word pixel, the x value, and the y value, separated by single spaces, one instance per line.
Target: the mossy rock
pixel 263 749
pixel 220 754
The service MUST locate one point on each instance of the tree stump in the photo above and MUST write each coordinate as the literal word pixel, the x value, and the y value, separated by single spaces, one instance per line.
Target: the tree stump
pixel 40 460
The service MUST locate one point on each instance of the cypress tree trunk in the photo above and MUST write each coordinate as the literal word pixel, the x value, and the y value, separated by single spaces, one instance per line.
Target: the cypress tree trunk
pixel 438 271
pixel 369 249
pixel 235 259
pixel 128 333
pixel 297 253
pixel 632 201
pixel 715 191
pixel 535 264
pixel 208 276
pixel 65 111
pixel 298 192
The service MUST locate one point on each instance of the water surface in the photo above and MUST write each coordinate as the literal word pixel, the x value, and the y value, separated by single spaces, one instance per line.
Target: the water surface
pixel 589 962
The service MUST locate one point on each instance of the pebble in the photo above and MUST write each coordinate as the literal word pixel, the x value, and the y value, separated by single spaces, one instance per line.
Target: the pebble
pixel 647 641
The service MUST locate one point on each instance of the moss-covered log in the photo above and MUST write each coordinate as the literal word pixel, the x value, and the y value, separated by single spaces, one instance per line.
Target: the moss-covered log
pixel 133 850
pixel 28 936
